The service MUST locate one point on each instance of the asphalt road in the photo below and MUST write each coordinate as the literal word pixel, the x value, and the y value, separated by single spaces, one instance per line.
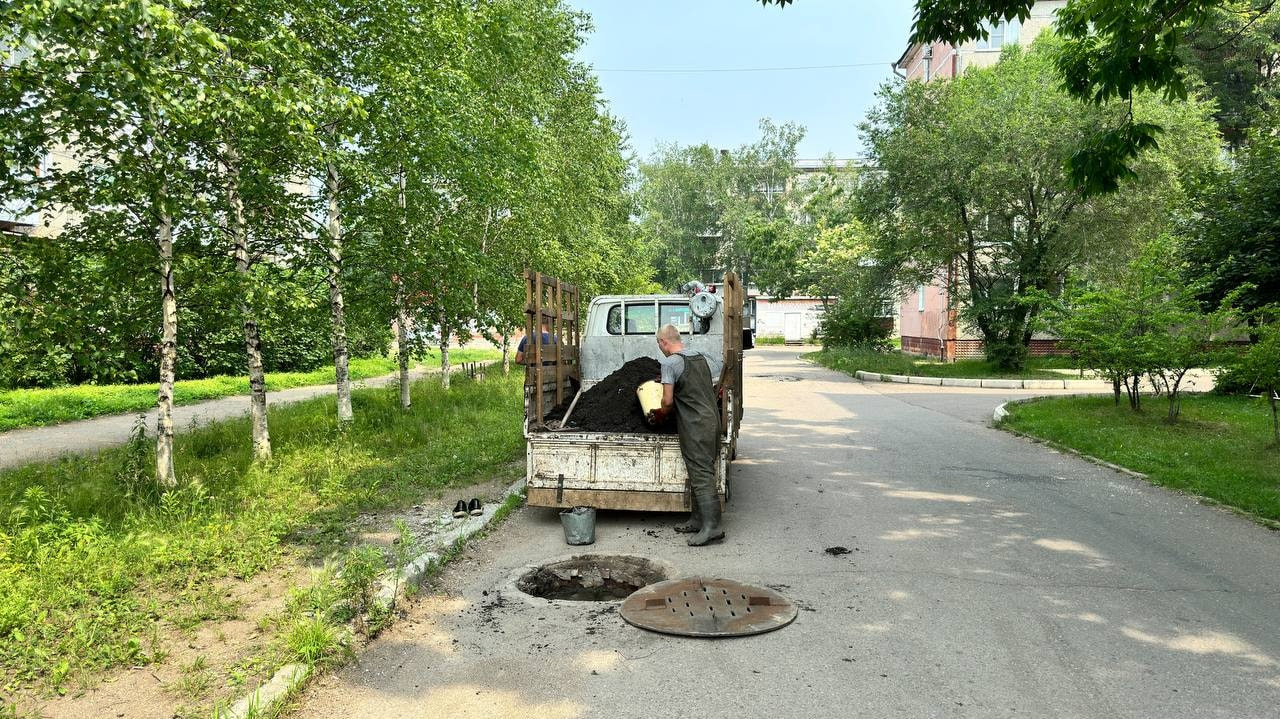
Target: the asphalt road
pixel 988 577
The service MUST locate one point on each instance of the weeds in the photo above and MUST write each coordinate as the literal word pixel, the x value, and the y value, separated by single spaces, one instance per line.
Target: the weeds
pixel 89 563
pixel 312 640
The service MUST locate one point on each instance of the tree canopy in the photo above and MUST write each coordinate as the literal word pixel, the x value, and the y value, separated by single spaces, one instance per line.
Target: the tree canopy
pixel 1110 51
pixel 970 182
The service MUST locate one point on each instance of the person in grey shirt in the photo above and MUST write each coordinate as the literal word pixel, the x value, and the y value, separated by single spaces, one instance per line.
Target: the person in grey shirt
pixel 688 388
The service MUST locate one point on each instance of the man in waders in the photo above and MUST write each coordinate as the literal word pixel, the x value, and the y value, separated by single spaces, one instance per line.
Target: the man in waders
pixel 687 385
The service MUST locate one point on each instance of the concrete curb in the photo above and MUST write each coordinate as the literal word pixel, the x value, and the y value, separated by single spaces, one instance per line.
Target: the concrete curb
pixel 1001 414
pixel 291 677
pixel 971 382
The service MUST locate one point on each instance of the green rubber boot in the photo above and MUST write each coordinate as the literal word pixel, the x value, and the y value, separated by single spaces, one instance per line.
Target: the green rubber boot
pixel 711 529
pixel 694 523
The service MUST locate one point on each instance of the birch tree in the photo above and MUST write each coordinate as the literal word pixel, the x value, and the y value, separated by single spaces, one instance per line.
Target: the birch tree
pixel 122 88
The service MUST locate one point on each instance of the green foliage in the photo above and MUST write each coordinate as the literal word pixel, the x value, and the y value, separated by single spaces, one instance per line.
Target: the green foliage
pixel 312 640
pixel 1143 321
pixel 1233 51
pixel 851 323
pixel 1216 450
pixel 1233 240
pixel 85 566
pixel 704 212
pixel 972 188
pixel 1260 364
pixel 1109 51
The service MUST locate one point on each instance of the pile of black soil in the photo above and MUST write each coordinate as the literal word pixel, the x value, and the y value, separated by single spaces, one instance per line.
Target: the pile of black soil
pixel 611 405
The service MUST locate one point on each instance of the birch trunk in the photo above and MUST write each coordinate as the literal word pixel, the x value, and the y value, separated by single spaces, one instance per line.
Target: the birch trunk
pixel 506 355
pixel 168 355
pixel 252 340
pixel 445 334
pixel 402 309
pixel 336 310
pixel 402 343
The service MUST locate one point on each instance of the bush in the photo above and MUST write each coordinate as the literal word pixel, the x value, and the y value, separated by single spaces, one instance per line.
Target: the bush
pixel 854 324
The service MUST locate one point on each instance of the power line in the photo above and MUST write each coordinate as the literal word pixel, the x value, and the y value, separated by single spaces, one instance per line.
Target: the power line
pixel 739 69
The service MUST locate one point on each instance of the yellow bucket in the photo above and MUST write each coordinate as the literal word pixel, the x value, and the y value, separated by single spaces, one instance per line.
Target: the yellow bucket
pixel 650 394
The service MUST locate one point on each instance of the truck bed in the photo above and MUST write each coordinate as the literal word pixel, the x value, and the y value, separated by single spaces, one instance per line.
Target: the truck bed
pixel 612 470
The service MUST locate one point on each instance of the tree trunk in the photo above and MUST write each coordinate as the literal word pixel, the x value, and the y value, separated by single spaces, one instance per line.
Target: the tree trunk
pixel 1115 387
pixel 444 350
pixel 252 341
pixel 168 355
pixel 341 359
pixel 402 343
pixel 506 355
pixel 1275 414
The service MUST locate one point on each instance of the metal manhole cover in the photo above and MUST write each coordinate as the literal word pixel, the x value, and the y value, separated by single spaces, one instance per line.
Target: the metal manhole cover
pixel 698 607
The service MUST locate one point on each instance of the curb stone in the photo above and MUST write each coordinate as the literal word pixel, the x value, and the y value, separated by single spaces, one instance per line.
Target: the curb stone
pixel 291 677
pixel 1001 414
pixel 864 376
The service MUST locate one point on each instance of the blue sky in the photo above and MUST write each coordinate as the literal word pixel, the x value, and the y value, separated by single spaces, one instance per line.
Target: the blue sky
pixel 724 108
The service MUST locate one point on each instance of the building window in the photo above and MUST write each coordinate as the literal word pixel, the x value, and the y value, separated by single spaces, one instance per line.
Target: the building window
pixel 920 298
pixel 1005 33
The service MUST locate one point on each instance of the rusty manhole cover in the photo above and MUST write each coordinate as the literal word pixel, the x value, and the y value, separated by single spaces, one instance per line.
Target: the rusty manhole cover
pixel 699 607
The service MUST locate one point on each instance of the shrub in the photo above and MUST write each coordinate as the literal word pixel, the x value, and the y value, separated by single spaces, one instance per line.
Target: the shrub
pixel 855 324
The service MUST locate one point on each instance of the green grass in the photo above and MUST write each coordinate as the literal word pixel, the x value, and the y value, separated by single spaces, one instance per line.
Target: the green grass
pixel 93 559
pixel 39 407
pixel 852 360
pixel 1221 447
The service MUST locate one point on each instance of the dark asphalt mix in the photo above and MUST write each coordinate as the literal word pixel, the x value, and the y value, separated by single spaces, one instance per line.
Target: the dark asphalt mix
pixel 985 576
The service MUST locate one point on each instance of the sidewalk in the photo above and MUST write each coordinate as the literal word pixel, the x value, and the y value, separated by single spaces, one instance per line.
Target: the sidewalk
pixel 34 444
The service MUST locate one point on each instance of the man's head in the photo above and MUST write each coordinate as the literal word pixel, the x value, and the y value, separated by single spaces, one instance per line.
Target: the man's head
pixel 669 341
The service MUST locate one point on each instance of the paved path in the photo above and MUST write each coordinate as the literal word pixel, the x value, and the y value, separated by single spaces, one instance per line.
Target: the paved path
pixel 22 446
pixel 989 577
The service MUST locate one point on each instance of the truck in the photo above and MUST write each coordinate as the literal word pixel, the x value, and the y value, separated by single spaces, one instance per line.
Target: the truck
pixel 610 470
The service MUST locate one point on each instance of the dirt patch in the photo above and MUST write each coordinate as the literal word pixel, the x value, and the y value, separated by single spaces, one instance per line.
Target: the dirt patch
pixel 233 649
pixel 611 405
pixel 218 660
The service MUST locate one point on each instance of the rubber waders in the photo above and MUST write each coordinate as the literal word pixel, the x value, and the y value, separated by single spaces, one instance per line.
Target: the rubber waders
pixel 694 523
pixel 711 529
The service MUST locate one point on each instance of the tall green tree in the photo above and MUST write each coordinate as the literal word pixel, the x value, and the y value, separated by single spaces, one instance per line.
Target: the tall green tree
pixel 1235 51
pixel 705 211
pixel 125 88
pixel 971 175
pixel 1233 240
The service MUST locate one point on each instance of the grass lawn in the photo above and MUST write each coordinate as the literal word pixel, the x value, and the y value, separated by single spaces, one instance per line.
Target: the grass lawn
pixel 1221 448
pixel 39 407
pixel 93 559
pixel 852 360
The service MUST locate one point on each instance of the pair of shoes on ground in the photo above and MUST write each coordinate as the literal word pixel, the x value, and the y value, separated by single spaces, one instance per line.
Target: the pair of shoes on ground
pixel 463 508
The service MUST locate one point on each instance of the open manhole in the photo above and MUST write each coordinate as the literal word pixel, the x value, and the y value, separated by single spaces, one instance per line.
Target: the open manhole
pixel 698 607
pixel 591 578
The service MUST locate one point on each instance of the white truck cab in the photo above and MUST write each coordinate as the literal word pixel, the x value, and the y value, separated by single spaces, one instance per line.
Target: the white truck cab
pixel 621 328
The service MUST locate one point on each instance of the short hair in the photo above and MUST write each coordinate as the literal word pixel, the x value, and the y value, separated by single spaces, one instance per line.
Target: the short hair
pixel 669 333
